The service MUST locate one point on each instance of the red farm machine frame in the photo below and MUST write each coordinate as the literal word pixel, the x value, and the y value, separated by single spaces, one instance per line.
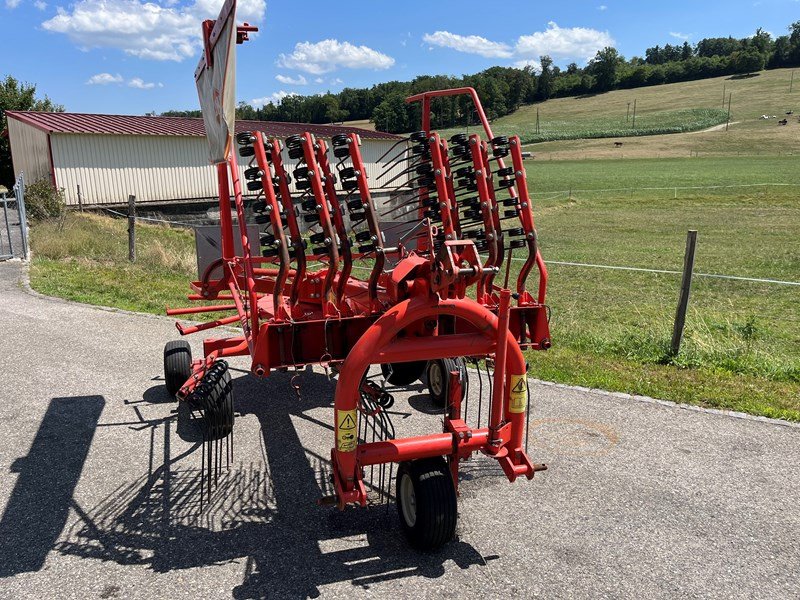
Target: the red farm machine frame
pixel 429 304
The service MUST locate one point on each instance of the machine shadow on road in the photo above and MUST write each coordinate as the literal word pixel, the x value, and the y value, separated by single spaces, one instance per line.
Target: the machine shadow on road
pixel 262 513
pixel 37 510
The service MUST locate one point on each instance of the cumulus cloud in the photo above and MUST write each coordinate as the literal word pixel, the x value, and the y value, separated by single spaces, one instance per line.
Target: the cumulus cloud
pixel 274 98
pixel 12 3
pixel 574 43
pixel 557 42
pixel 140 84
pixel 529 62
pixel 104 79
pixel 135 82
pixel 470 44
pixel 299 80
pixel 330 55
pixel 143 29
pixel 40 5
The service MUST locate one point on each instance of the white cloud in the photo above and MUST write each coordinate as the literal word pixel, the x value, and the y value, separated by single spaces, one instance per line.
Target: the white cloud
pixel 143 29
pixel 471 44
pixel 274 98
pixel 104 79
pixel 556 42
pixel 12 3
pixel 679 35
pixel 319 80
pixel 135 82
pixel 529 62
pixel 299 80
pixel 40 5
pixel 329 55
pixel 602 7
pixel 140 84
pixel 337 81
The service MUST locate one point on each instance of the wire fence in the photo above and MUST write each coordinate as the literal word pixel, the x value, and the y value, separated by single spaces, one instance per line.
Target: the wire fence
pixel 553 194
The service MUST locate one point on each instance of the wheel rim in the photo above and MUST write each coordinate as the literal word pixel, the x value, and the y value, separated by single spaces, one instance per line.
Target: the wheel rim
pixel 408 500
pixel 435 379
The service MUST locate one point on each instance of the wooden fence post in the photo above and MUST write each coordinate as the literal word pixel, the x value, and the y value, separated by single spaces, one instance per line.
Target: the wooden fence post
pixel 683 300
pixel 132 228
pixel 80 199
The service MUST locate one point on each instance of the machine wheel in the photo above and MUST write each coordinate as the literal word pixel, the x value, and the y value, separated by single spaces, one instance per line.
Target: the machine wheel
pixel 437 374
pixel 177 365
pixel 426 502
pixel 403 373
pixel 214 397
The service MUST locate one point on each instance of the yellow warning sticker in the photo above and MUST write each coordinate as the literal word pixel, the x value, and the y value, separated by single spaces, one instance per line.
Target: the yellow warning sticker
pixel 346 431
pixel 519 394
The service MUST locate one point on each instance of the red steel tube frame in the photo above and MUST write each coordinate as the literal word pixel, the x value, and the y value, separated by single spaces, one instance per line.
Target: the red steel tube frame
pixel 372 220
pixel 380 335
pixel 276 223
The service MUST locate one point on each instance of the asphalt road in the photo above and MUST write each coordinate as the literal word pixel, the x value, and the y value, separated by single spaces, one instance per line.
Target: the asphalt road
pixel 99 488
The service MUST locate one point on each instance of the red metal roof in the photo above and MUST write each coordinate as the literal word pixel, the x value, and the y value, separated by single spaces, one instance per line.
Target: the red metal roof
pixel 138 125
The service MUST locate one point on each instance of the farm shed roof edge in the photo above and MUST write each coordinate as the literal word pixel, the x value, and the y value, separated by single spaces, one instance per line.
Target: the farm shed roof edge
pixel 173 126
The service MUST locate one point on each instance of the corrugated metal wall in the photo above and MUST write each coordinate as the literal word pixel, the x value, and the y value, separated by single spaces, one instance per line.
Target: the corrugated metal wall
pixel 108 168
pixel 29 151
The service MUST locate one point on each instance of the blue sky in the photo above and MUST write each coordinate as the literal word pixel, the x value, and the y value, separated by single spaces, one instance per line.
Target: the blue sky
pixel 133 56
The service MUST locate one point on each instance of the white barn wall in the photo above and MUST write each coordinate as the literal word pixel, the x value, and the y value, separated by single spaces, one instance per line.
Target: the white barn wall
pixel 29 151
pixel 153 168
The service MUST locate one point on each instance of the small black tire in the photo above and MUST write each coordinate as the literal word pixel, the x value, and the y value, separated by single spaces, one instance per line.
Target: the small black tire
pixel 437 375
pixel 426 502
pixel 177 365
pixel 403 373
pixel 218 409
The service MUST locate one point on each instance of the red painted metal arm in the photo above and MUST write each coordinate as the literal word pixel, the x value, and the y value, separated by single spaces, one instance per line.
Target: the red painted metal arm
pixel 526 218
pixel 291 220
pixel 337 215
pixel 376 236
pixel 274 209
pixel 325 222
pixel 246 261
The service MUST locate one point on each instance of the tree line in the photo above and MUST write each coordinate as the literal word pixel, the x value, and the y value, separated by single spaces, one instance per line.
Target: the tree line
pixel 504 89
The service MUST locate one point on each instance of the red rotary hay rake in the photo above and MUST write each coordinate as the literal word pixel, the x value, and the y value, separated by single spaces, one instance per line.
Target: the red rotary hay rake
pixel 429 303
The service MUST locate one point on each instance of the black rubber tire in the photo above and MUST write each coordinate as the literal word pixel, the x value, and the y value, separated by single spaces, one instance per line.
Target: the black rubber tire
pixel 403 373
pixel 435 507
pixel 177 365
pixel 439 384
pixel 218 409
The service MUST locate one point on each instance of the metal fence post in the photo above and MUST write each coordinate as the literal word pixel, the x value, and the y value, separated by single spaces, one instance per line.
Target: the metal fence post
pixel 8 228
pixel 19 193
pixel 683 300
pixel 132 228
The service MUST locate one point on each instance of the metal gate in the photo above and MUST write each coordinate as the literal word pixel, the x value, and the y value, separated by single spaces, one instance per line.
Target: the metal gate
pixel 13 223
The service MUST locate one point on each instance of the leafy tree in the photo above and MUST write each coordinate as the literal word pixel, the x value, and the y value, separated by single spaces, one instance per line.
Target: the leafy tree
pixel 747 61
pixel 15 95
pixel 604 68
pixel 544 87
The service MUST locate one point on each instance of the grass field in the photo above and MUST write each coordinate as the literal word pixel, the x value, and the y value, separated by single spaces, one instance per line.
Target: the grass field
pixel 610 328
pixel 678 105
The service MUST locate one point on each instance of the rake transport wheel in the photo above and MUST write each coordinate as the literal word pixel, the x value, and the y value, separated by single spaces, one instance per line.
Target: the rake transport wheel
pixel 214 397
pixel 426 502
pixel 177 365
pixel 403 373
pixel 438 375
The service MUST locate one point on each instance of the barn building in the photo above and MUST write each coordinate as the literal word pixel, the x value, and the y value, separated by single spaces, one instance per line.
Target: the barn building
pixel 157 159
